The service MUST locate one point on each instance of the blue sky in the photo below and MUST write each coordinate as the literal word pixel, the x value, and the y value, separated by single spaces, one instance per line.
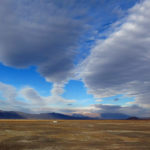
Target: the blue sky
pixel 75 56
pixel 23 77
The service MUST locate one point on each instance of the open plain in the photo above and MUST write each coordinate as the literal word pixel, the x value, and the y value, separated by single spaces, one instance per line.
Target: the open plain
pixel 75 135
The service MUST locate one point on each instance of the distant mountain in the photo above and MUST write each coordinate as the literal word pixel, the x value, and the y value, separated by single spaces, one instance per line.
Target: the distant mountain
pixel 103 116
pixel 10 115
pixel 83 116
pixel 114 116
pixel 21 115
pixel 134 118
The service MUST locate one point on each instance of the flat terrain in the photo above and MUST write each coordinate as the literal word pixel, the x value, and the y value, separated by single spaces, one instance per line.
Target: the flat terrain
pixel 74 135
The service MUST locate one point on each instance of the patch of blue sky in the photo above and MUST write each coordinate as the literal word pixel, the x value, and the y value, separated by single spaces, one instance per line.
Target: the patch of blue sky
pixel 20 78
pixel 76 90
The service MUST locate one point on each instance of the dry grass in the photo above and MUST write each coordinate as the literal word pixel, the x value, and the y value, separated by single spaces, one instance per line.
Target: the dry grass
pixel 74 135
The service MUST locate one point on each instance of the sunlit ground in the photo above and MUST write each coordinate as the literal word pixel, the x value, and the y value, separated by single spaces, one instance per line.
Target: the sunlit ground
pixel 74 135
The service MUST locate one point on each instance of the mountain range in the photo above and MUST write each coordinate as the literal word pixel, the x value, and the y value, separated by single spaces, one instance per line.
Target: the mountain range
pixel 103 116
pixel 22 115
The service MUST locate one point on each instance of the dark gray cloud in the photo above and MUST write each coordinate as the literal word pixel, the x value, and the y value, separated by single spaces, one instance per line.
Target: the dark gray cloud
pixel 99 109
pixel 41 34
pixel 133 110
pixel 46 33
pixel 121 63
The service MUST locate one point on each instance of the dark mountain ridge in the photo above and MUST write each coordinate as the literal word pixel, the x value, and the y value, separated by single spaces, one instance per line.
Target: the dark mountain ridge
pixel 59 116
pixel 21 115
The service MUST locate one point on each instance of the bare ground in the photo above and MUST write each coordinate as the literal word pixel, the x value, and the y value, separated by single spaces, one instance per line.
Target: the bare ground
pixel 74 135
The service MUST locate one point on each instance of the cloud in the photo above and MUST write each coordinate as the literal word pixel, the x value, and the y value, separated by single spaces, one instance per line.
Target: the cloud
pixel 120 64
pixel 29 100
pixel 8 98
pixel 58 89
pixel 47 34
pixel 133 110
pixel 98 109
pixel 99 100
pixel 8 91
pixel 41 34
pixel 32 96
pixel 35 99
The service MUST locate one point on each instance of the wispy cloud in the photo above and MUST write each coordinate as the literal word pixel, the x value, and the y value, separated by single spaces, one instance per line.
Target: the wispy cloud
pixel 29 100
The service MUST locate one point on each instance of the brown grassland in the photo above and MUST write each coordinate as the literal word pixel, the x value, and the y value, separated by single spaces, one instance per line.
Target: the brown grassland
pixel 74 135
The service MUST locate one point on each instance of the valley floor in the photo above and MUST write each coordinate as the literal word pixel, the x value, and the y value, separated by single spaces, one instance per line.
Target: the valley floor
pixel 74 135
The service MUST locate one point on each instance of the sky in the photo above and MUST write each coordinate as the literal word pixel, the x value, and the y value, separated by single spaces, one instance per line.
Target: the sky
pixel 69 56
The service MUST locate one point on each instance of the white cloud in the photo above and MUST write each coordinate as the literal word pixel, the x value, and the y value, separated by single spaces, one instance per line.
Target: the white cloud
pixel 99 100
pixel 29 100
pixel 9 99
pixel 57 89
pixel 8 91
pixel 32 96
pixel 120 64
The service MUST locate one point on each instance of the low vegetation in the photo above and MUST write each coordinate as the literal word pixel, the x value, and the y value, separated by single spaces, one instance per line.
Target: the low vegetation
pixel 74 135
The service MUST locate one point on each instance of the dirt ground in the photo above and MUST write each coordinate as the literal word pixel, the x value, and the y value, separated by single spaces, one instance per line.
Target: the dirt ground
pixel 74 135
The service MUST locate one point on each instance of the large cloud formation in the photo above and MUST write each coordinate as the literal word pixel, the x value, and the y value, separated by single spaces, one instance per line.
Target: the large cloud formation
pixel 120 64
pixel 46 34
pixel 41 34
